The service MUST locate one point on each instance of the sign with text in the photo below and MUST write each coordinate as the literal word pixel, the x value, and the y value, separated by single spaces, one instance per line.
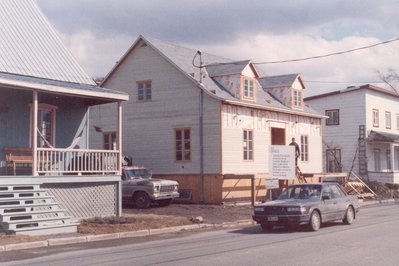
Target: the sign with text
pixel 282 162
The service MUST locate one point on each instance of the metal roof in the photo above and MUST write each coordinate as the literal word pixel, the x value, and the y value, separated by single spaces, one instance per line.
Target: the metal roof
pixel 269 82
pixel 182 59
pixel 30 46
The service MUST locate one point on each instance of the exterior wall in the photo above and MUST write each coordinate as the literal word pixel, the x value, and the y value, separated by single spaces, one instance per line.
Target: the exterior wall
pixel 148 132
pixel 71 119
pixel 236 119
pixel 345 135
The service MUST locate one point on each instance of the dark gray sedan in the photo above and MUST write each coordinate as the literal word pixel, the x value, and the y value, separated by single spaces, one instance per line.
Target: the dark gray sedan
pixel 308 204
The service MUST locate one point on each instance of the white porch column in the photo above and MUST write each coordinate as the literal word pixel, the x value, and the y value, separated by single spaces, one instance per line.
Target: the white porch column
pixel 119 145
pixel 34 133
pixel 393 156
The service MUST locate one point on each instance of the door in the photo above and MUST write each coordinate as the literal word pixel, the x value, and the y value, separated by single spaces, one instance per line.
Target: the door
pixel 277 136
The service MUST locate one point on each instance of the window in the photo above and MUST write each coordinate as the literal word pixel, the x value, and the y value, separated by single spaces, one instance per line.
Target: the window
pixel 376 118
pixel 182 144
pixel 248 145
pixel 297 98
pixel 144 90
pixel 333 161
pixel 333 117
pixel 388 158
pixel 110 140
pixel 248 88
pixel 304 149
pixel 387 120
pixel 377 160
pixel 397 121
pixel 46 120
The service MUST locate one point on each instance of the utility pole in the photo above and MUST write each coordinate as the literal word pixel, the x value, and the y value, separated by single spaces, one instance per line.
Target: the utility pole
pixel 201 131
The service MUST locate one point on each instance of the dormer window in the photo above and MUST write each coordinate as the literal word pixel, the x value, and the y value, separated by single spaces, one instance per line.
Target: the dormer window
pixel 297 98
pixel 248 88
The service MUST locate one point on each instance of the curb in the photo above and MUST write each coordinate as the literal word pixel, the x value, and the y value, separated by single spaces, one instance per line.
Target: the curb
pixel 91 238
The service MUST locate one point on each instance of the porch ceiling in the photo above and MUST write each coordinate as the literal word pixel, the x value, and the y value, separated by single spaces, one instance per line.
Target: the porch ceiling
pixel 95 93
pixel 376 136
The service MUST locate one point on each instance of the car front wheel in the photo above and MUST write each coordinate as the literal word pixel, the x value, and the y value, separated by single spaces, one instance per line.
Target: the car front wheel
pixel 315 221
pixel 349 216
pixel 142 200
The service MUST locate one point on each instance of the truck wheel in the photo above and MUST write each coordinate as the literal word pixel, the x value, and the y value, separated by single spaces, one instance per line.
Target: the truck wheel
pixel 141 200
pixel 164 202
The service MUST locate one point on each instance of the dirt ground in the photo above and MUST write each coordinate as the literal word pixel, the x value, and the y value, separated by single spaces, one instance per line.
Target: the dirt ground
pixel 156 217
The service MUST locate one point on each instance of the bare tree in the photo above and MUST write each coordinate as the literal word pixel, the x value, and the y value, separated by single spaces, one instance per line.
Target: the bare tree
pixel 391 78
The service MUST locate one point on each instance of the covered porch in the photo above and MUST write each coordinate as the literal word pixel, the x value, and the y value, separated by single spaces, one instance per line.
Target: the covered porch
pixel 383 165
pixel 44 140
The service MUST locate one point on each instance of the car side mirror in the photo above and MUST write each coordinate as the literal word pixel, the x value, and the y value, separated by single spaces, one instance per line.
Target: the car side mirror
pixel 326 196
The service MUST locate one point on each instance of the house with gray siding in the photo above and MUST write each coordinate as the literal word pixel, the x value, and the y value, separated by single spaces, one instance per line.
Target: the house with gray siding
pixel 49 176
pixel 207 121
pixel 361 133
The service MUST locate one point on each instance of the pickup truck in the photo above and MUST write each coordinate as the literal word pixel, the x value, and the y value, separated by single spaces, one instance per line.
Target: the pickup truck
pixel 139 188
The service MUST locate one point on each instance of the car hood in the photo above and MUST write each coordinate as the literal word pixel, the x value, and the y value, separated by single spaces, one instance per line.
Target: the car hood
pixel 162 182
pixel 290 202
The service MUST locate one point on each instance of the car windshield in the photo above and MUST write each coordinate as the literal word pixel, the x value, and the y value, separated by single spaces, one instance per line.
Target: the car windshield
pixel 301 192
pixel 137 173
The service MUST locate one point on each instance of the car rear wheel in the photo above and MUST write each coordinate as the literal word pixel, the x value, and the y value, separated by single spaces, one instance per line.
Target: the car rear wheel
pixel 266 227
pixel 349 216
pixel 141 200
pixel 315 221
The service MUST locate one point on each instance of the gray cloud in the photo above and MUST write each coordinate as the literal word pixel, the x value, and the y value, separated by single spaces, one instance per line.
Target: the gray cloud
pixel 210 21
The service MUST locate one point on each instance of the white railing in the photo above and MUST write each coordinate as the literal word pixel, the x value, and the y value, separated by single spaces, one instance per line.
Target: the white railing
pixel 52 161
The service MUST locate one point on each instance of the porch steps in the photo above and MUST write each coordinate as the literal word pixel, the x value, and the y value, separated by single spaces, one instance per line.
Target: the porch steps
pixel 28 209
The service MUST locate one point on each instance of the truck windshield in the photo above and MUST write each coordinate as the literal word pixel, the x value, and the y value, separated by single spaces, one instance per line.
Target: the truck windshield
pixel 137 173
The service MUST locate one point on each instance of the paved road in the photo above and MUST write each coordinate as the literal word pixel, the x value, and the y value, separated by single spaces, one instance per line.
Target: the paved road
pixel 371 240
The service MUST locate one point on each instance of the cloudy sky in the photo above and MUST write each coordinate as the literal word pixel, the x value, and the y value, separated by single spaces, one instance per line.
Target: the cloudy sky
pixel 98 32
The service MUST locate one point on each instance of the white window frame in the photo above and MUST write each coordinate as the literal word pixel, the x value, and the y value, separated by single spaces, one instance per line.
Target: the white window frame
pixel 144 90
pixel 333 117
pixel 304 148
pixel 388 123
pixel 248 145
pixel 52 139
pixel 249 88
pixel 298 98
pixel 182 145
pixel 376 118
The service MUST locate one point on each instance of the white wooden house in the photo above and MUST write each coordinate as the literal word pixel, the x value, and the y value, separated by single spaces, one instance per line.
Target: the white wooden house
pixel 49 177
pixel 362 131
pixel 207 121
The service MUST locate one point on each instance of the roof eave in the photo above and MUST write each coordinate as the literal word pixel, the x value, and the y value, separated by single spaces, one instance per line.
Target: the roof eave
pixel 23 85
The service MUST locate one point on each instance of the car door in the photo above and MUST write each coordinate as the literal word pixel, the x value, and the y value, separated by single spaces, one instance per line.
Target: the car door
pixel 341 200
pixel 330 204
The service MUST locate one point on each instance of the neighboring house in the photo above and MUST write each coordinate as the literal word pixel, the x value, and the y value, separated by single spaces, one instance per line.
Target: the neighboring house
pixel 211 131
pixel 45 98
pixel 362 131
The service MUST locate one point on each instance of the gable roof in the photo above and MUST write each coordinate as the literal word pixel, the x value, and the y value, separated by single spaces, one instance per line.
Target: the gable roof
pixel 30 46
pixel 355 88
pixel 269 82
pixel 182 59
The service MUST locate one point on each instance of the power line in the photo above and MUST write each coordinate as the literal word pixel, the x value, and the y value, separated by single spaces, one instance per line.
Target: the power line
pixel 328 55
pixel 342 82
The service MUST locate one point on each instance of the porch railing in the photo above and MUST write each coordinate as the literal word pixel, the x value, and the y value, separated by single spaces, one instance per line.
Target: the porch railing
pixel 77 161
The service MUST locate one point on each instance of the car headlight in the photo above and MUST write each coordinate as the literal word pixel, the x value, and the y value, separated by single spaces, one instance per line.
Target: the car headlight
pixel 259 209
pixel 156 188
pixel 297 209
pixel 176 187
